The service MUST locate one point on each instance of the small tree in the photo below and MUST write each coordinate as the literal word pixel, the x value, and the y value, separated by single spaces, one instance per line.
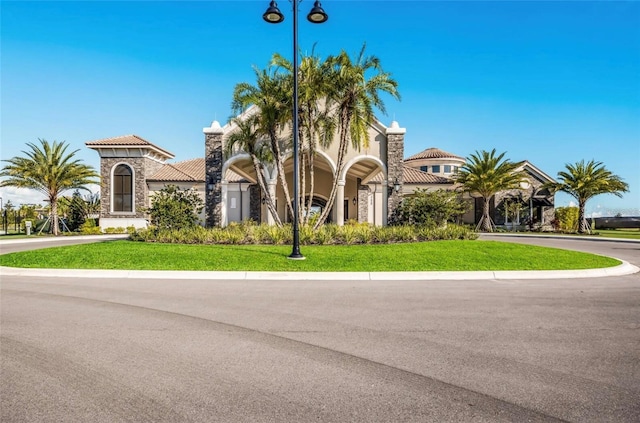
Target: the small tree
pixel 50 170
pixel 566 218
pixel 77 213
pixel 172 208
pixel 487 173
pixel 583 181
pixel 435 207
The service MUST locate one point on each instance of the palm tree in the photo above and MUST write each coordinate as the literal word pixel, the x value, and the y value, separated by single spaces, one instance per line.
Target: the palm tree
pixel 486 174
pixel 50 170
pixel 355 95
pixel 271 96
pixel 316 124
pixel 584 181
pixel 247 139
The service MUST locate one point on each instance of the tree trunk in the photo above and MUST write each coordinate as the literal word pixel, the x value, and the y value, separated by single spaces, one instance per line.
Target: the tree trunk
pixel 342 151
pixel 54 215
pixel 281 176
pixel 263 187
pixel 583 226
pixel 486 218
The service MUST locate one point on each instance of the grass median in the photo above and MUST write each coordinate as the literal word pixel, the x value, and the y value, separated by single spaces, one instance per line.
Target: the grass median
pixel 420 256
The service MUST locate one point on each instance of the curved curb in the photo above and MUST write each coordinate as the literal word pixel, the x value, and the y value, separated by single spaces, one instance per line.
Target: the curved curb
pixel 34 240
pixel 623 269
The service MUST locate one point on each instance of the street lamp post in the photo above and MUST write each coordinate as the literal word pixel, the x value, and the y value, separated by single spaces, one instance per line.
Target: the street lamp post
pixel 316 15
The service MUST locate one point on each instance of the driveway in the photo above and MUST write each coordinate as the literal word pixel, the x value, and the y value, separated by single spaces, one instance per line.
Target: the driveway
pixel 169 350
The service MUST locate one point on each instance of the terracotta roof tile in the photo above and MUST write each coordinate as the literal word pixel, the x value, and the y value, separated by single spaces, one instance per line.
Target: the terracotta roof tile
pixel 189 171
pixel 126 140
pixel 433 153
pixel 415 176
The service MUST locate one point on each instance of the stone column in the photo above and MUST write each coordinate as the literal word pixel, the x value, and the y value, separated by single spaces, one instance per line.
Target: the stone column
pixel 339 204
pixel 213 174
pixel 224 189
pixel 395 163
pixel 255 205
pixel 385 203
pixel 363 203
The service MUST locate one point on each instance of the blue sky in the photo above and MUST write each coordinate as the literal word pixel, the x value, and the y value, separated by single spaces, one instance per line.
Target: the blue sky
pixel 551 82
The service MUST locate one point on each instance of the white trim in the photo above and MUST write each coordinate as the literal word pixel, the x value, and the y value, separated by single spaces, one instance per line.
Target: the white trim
pixel 112 222
pixel 357 159
pixel 133 189
pixel 234 159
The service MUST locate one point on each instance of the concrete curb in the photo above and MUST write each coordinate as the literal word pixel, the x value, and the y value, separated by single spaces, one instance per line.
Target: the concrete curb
pixel 623 269
pixel 75 238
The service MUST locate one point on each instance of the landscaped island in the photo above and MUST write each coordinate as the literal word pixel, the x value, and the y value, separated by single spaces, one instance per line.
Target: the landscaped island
pixel 453 255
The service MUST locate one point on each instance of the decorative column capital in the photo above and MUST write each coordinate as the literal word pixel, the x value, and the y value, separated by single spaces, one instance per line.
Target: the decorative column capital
pixel 215 128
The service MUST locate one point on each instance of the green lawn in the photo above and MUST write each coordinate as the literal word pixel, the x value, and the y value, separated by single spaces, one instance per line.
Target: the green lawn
pixel 424 256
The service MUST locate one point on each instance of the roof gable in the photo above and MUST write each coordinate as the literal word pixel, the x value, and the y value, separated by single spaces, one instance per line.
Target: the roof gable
pixel 131 141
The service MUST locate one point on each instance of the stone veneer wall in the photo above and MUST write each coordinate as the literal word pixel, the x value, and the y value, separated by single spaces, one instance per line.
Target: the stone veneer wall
pixel 142 168
pixel 213 169
pixel 395 158
pixel 255 204
pixel 497 210
pixel 363 203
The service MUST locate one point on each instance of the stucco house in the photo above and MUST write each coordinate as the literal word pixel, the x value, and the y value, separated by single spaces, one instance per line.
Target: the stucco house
pixel 370 187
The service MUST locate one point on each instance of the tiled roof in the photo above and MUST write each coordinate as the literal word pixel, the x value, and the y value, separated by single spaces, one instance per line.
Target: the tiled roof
pixel 126 140
pixel 433 153
pixel 411 175
pixel 189 171
pixel 415 176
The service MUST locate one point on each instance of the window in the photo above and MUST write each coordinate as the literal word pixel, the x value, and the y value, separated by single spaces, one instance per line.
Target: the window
pixel 424 168
pixel 447 168
pixel 122 189
pixel 455 169
pixel 435 169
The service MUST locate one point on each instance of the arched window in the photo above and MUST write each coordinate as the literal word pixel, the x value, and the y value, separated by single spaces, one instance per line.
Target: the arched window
pixel 122 189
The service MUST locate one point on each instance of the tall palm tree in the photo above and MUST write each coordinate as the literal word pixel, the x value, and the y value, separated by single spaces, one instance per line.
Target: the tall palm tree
pixel 316 124
pixel 50 170
pixel 584 181
pixel 247 139
pixel 271 95
pixel 355 94
pixel 486 174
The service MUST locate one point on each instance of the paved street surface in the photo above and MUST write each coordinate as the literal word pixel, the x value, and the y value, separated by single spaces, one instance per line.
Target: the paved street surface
pixel 108 350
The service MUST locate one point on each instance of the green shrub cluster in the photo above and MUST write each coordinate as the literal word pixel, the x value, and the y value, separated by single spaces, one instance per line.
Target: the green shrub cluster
pixel 89 227
pixel 566 219
pixel 250 233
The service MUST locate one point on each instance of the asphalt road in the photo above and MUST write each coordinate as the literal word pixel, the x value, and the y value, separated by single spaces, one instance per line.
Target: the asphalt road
pixel 92 350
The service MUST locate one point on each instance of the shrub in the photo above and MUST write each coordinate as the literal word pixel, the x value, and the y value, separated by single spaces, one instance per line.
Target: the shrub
pixel 566 219
pixel 89 227
pixel 430 207
pixel 325 235
pixel 172 208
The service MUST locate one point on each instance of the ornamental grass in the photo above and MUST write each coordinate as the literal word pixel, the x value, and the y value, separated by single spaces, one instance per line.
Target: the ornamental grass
pixel 249 233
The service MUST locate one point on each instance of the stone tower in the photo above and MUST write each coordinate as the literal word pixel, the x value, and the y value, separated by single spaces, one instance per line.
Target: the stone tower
pixel 126 161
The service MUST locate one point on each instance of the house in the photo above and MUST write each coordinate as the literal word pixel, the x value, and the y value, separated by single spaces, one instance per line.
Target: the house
pixel 371 185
